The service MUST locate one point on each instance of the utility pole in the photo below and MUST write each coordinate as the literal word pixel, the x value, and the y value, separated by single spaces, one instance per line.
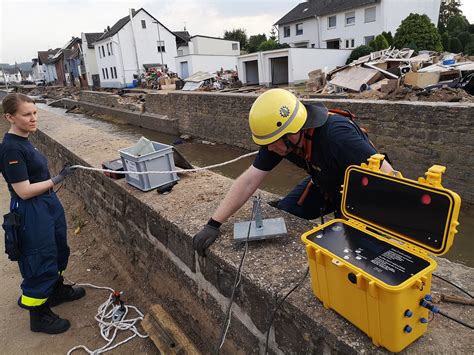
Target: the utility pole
pixel 134 42
pixel 159 42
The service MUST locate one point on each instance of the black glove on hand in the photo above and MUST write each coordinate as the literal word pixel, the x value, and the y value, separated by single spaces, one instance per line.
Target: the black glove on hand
pixel 67 170
pixel 206 237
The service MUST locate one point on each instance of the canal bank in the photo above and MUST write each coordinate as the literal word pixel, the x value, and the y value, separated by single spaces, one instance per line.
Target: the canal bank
pixel 415 135
pixel 152 235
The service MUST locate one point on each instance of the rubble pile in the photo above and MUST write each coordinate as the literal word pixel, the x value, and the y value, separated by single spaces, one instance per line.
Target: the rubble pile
pixel 222 81
pixel 393 74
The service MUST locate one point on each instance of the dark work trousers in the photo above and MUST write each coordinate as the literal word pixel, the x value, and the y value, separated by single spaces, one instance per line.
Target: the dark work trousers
pixel 43 245
pixel 312 205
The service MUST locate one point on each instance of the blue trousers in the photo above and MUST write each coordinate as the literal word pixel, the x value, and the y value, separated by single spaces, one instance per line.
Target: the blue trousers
pixel 43 245
pixel 312 205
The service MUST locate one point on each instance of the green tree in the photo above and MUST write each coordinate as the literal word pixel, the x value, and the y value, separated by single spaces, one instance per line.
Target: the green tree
pixel 455 45
pixel 273 34
pixel 448 9
pixel 418 32
pixel 373 45
pixel 456 25
pixel 237 34
pixel 381 42
pixel 388 36
pixel 464 38
pixel 359 52
pixel 469 50
pixel 269 45
pixel 445 41
pixel 254 42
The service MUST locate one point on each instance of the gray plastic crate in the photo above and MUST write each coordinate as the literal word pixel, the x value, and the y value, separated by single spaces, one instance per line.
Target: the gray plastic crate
pixel 159 160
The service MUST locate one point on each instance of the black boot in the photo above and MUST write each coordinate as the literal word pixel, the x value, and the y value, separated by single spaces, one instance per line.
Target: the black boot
pixel 65 293
pixel 44 320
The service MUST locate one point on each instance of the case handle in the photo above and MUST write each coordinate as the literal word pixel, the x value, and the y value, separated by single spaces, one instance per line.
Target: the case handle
pixel 433 176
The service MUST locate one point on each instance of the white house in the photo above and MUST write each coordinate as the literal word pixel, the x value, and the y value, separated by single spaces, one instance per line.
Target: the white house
pixel 204 53
pixel 46 66
pixel 11 75
pixel 349 23
pixel 89 58
pixel 132 42
pixel 287 65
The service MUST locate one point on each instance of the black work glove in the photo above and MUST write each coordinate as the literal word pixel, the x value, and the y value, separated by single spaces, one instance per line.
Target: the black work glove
pixel 67 170
pixel 206 237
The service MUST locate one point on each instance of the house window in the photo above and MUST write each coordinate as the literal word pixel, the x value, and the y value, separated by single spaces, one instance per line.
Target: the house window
pixel 106 73
pixel 161 46
pixel 350 18
pixel 111 73
pixel 103 51
pixel 108 49
pixel 332 21
pixel 235 46
pixel 103 73
pixel 299 29
pixel 350 43
pixel 367 39
pixel 180 52
pixel 111 50
pixel 286 31
pixel 369 14
pixel 100 54
pixel 143 24
pixel 115 72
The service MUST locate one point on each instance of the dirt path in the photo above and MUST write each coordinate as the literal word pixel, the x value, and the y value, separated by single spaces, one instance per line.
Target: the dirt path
pixel 89 262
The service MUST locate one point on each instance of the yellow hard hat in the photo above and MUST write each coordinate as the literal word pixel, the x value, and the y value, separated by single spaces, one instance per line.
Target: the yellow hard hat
pixel 275 113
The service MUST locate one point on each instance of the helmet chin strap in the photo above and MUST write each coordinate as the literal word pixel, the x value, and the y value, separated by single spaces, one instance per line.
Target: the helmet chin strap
pixel 292 147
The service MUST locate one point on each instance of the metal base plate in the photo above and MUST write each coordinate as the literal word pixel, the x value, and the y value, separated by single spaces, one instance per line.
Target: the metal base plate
pixel 272 228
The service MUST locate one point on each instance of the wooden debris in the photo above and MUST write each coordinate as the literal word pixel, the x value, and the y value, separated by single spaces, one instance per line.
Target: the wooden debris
pixel 166 334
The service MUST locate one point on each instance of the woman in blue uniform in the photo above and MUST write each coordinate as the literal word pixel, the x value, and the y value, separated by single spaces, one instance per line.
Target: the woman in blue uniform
pixel 42 232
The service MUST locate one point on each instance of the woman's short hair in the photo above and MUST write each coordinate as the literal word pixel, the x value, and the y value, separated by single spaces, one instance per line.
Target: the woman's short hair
pixel 11 102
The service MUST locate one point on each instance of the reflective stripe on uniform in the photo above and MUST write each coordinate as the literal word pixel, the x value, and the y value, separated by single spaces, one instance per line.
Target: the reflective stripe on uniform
pixel 282 127
pixel 32 302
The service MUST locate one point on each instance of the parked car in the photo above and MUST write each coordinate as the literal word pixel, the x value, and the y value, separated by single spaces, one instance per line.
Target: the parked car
pixel 40 82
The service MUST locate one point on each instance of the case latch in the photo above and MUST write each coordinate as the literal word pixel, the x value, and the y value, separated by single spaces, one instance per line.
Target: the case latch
pixel 374 162
pixel 433 176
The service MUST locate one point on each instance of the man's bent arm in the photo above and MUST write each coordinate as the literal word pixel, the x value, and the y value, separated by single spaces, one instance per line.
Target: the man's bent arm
pixel 240 191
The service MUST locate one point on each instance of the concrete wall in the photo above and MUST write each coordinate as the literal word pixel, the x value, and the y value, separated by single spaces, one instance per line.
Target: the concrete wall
pixel 300 62
pixel 209 63
pixel 214 46
pixel 415 135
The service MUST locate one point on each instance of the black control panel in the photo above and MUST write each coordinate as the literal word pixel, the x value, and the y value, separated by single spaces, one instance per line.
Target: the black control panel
pixel 382 260
pixel 422 214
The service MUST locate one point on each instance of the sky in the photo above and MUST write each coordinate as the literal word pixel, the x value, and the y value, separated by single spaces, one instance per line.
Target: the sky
pixel 27 26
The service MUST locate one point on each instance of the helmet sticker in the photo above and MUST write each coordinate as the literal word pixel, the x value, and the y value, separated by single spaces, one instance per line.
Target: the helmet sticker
pixel 284 111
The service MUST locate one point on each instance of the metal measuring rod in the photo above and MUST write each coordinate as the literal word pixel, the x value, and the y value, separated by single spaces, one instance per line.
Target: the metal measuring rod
pixel 259 228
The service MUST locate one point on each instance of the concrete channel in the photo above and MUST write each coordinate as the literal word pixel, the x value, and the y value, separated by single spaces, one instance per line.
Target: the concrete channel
pixel 156 232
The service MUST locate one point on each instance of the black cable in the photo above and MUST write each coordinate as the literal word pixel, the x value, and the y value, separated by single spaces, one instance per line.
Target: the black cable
pixel 456 320
pixel 452 284
pixel 279 305
pixel 236 281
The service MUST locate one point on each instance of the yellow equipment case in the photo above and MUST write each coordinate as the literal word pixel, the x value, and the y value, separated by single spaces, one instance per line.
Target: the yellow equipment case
pixel 373 267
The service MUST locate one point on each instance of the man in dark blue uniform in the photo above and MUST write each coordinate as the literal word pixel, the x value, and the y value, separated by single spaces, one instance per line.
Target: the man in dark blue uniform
pixel 321 142
pixel 41 236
